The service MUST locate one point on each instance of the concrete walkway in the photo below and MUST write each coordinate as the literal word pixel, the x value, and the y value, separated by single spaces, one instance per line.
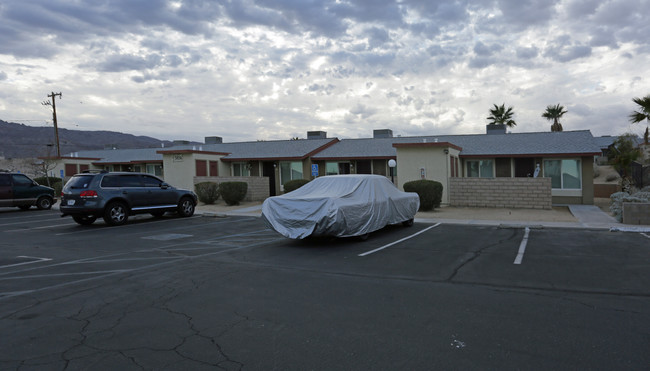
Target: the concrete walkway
pixel 573 216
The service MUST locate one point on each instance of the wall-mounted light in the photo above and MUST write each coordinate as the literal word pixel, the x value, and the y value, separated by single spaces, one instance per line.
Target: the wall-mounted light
pixel 446 151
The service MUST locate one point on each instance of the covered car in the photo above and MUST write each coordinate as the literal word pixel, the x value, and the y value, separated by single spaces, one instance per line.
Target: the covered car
pixel 341 206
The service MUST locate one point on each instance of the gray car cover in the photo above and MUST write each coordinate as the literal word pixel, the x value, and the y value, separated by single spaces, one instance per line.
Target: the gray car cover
pixel 341 206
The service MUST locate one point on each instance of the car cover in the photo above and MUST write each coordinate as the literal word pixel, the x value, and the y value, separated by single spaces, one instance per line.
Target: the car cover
pixel 341 206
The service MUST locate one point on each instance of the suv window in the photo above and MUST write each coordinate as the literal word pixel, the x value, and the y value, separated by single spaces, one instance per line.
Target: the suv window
pixel 21 180
pixel 79 181
pixel 122 181
pixel 150 181
pixel 4 180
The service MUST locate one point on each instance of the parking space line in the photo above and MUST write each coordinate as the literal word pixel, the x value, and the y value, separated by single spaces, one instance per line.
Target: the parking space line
pixel 522 247
pixel 398 241
pixel 645 235
pixel 41 227
pixel 36 260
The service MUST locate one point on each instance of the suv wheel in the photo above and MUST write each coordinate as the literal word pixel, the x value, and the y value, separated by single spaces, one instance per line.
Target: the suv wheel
pixel 84 219
pixel 116 213
pixel 185 207
pixel 408 223
pixel 44 203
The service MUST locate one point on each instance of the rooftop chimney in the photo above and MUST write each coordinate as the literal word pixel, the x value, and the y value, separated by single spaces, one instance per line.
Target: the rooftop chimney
pixel 382 133
pixel 316 135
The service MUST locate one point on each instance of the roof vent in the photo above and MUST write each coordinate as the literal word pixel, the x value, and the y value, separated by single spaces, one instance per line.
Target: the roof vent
pixel 495 129
pixel 382 133
pixel 213 140
pixel 316 135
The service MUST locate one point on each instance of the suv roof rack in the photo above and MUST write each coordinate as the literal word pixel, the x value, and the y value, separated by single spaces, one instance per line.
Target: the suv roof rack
pixel 95 171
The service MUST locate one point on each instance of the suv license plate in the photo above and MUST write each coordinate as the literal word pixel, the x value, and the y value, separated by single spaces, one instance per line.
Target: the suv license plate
pixel 70 202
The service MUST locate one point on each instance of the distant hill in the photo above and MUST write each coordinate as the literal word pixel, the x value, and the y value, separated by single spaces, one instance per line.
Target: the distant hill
pixel 22 141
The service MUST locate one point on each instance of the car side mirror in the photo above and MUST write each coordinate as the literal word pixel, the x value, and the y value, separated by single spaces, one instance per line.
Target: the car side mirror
pixel 164 185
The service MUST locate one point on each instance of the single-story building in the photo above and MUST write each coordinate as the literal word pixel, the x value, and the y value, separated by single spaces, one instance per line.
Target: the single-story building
pixel 561 163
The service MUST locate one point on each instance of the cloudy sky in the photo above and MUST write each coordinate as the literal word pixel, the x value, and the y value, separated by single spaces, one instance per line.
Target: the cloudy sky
pixel 275 69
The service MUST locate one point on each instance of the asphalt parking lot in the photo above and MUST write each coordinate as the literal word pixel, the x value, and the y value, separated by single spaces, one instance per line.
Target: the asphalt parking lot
pixel 227 293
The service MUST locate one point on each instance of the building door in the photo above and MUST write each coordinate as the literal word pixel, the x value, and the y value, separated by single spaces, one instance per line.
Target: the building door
pixel 268 170
pixel 70 169
pixel 364 167
pixel 214 168
pixel 524 167
pixel 502 167
pixel 201 168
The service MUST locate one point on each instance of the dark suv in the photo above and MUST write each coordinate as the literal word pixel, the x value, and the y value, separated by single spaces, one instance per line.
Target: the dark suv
pixel 19 190
pixel 115 196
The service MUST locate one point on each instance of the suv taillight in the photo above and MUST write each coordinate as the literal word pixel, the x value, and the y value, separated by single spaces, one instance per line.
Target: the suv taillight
pixel 88 194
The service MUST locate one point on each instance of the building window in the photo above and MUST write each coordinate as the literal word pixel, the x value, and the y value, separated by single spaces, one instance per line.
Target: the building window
pixel 336 168
pixel 156 170
pixel 290 171
pixel 240 169
pixel 564 174
pixel 480 169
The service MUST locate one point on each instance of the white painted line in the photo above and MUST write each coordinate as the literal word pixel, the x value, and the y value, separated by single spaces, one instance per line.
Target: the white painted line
pixel 42 227
pixel 522 247
pixel 37 260
pixel 396 242
pixel 643 234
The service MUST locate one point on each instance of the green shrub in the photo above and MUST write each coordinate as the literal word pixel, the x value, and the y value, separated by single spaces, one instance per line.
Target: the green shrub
pixel 430 192
pixel 208 192
pixel 292 185
pixel 611 177
pixel 233 192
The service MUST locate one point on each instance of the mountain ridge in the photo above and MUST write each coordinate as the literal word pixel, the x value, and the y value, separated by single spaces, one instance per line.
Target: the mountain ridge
pixel 23 141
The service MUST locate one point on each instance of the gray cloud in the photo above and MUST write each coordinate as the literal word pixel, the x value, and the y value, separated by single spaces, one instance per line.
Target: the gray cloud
pixel 527 53
pixel 563 49
pixel 305 60
pixel 129 62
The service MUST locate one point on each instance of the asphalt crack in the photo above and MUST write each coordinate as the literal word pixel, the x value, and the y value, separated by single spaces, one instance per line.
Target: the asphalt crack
pixel 476 254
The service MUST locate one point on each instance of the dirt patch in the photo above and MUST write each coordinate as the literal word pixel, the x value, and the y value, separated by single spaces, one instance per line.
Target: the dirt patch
pixel 606 172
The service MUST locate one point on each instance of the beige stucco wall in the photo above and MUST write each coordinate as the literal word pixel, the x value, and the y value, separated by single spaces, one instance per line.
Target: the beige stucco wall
pixel 60 164
pixel 179 169
pixel 434 161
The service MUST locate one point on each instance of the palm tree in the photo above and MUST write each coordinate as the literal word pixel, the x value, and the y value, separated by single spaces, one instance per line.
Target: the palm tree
pixel 502 116
pixel 642 114
pixel 554 113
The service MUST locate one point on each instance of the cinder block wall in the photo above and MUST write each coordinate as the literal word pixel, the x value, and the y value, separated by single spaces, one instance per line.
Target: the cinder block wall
pixel 258 187
pixel 636 213
pixel 520 193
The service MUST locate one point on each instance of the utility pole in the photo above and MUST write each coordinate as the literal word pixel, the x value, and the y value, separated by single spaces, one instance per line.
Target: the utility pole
pixel 56 128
